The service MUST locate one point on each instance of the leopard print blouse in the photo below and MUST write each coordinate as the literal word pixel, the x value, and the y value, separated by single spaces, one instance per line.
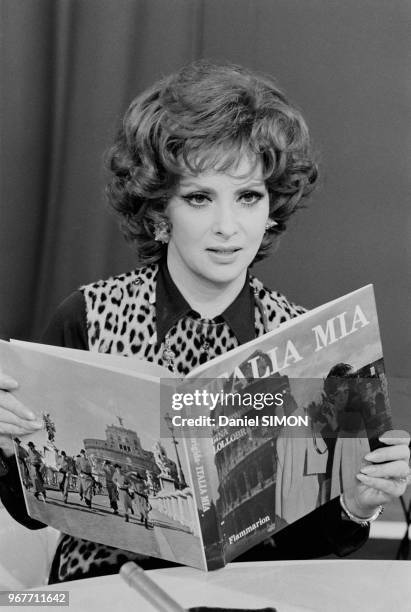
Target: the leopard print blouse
pixel 121 319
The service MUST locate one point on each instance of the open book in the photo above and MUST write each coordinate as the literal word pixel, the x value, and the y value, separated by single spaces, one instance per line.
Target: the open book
pixel 198 470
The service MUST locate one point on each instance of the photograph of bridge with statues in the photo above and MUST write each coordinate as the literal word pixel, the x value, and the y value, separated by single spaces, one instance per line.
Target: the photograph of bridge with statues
pixel 99 469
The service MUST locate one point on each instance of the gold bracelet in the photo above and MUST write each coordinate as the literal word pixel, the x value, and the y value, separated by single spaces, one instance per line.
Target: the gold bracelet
pixel 364 522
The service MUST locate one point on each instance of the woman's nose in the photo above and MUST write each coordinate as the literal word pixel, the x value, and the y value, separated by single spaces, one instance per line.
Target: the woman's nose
pixel 225 220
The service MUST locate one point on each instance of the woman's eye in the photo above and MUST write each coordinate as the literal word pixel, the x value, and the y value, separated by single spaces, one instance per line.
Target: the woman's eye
pixel 196 199
pixel 250 197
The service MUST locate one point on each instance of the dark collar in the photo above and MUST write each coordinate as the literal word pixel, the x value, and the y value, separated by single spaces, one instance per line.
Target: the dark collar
pixel 171 306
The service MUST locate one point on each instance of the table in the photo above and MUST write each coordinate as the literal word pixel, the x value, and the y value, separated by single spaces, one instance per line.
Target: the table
pixel 321 585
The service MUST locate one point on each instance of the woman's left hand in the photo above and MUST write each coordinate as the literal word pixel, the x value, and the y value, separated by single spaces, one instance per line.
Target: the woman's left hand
pixel 383 477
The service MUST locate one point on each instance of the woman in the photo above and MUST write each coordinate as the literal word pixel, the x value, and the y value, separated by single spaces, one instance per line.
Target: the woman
pixel 36 466
pixel 143 506
pixel 23 457
pixel 208 166
pixel 344 415
pixel 123 484
pixel 86 480
pixel 108 470
pixel 63 466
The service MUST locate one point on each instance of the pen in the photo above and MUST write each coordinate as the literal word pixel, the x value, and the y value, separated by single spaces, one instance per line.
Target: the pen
pixel 138 580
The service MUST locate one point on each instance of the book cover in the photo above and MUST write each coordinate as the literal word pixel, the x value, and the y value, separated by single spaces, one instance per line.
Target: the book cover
pixel 211 465
pixel 268 466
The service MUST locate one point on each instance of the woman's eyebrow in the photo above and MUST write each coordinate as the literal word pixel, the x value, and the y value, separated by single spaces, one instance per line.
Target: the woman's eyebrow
pixel 196 186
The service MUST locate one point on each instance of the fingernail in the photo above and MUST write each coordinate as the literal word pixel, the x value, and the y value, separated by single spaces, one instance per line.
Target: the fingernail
pixel 368 469
pixel 38 424
pixel 30 415
pixel 363 477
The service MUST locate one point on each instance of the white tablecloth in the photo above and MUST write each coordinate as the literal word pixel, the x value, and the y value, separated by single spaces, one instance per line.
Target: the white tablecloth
pixel 325 586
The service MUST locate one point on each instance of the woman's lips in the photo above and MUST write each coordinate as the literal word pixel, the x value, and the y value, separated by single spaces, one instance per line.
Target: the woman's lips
pixel 223 254
pixel 228 250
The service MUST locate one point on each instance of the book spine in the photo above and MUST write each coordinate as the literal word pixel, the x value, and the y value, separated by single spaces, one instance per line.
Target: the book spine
pixel 200 456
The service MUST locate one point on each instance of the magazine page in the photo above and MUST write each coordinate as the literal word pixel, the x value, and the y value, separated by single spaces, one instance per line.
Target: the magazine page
pixel 133 365
pixel 334 331
pixel 287 417
pixel 99 469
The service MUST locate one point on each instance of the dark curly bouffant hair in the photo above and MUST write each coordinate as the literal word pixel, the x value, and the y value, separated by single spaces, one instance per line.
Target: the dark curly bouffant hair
pixel 205 116
pixel 338 374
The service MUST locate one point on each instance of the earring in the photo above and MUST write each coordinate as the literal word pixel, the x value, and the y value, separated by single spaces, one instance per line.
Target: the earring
pixel 162 232
pixel 270 224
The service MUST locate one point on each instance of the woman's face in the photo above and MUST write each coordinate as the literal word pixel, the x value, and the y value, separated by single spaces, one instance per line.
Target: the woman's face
pixel 217 223
pixel 341 395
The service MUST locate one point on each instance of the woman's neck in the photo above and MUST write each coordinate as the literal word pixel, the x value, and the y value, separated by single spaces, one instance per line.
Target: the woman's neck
pixel 205 297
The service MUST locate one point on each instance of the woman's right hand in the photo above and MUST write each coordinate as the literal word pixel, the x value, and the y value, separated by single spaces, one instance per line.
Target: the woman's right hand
pixel 15 418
